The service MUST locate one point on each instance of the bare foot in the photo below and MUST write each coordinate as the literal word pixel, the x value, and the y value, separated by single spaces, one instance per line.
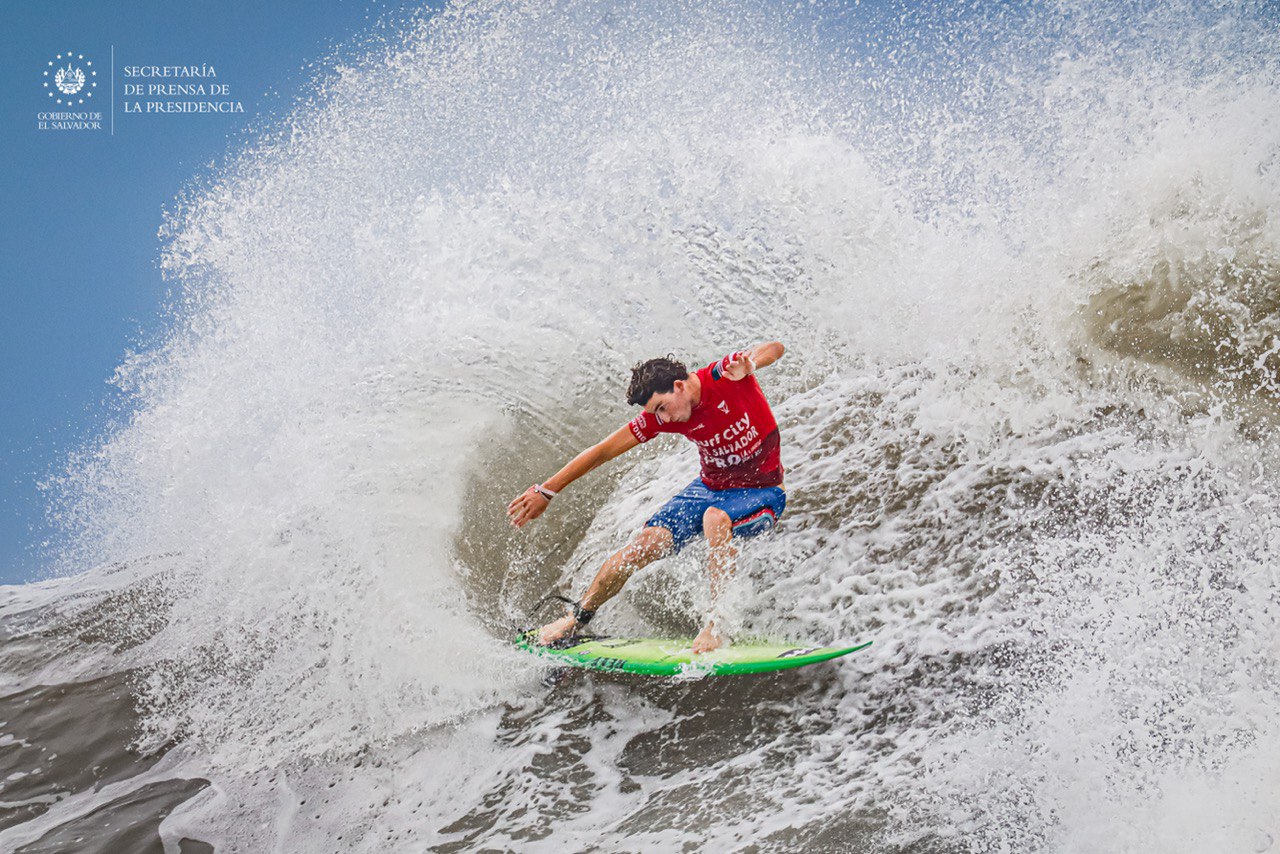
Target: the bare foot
pixel 554 631
pixel 707 640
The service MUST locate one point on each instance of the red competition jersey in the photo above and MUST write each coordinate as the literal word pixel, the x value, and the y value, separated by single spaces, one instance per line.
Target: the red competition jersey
pixel 733 427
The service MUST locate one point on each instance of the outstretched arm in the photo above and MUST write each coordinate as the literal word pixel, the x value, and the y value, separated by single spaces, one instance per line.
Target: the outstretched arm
pixel 530 505
pixel 744 363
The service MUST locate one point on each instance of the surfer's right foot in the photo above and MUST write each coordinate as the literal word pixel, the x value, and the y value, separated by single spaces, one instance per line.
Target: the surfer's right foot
pixel 554 631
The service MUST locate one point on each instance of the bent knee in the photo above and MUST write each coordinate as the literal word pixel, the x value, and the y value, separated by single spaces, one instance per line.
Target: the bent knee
pixel 717 525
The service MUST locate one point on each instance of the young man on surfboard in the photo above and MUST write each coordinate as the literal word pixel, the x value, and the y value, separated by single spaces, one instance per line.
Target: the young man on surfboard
pixel 738 494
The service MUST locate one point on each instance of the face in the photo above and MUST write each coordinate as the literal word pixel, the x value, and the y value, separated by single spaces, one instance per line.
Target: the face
pixel 675 405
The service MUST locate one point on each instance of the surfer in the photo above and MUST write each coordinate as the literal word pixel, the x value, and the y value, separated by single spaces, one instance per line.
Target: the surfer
pixel 738 494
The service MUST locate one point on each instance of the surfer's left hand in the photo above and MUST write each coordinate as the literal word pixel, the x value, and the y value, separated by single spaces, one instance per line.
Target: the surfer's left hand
pixel 741 367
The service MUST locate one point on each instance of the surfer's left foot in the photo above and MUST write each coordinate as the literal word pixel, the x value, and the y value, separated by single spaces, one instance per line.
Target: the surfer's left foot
pixel 707 640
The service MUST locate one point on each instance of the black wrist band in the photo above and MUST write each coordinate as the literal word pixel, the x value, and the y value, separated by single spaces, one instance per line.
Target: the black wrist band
pixel 582 615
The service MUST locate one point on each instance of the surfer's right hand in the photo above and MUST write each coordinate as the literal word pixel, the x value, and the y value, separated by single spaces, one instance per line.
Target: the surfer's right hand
pixel 526 506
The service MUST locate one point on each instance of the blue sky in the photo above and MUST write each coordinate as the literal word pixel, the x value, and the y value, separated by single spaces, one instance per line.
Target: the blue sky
pixel 80 210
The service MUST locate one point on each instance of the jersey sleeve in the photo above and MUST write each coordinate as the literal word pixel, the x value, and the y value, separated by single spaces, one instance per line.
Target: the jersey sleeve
pixel 644 427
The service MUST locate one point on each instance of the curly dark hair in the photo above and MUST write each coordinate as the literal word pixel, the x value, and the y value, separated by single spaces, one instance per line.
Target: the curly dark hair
pixel 656 376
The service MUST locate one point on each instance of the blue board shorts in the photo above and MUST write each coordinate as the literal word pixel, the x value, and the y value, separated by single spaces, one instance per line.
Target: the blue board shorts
pixel 752 511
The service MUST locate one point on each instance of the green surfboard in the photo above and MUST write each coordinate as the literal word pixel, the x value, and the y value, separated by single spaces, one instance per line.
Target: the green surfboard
pixel 674 656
